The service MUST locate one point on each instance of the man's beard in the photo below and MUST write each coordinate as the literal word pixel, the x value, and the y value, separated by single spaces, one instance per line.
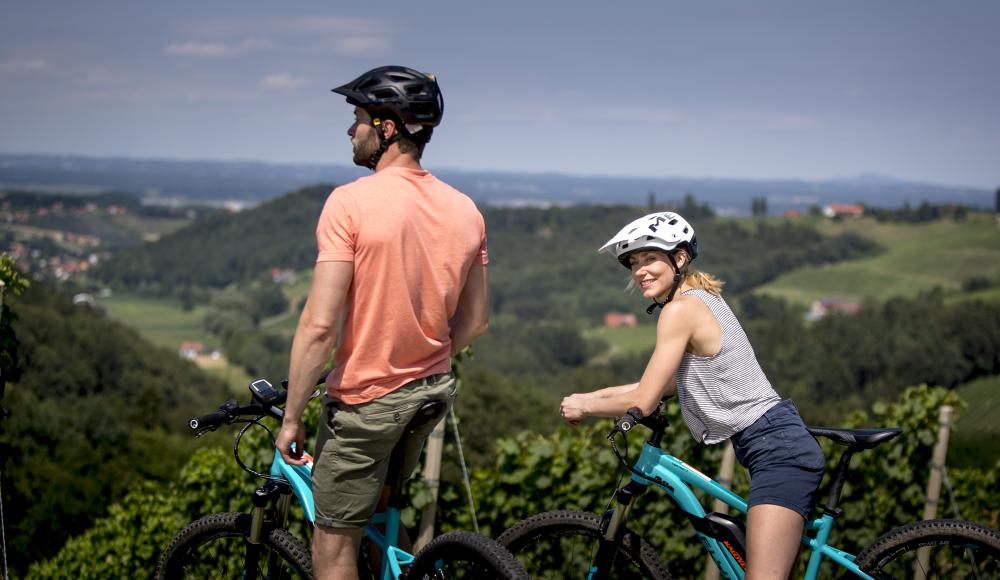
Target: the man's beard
pixel 364 150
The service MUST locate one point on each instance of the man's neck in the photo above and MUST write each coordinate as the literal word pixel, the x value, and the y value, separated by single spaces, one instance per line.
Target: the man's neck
pixel 393 158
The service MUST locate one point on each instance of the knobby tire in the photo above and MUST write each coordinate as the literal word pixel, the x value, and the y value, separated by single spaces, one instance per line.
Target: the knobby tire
pixel 958 549
pixel 562 544
pixel 214 547
pixel 465 555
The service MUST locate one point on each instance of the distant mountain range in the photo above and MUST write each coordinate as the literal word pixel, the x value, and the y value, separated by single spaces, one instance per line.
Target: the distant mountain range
pixel 248 183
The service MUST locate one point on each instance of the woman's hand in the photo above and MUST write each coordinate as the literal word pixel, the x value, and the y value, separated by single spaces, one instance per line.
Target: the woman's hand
pixel 573 408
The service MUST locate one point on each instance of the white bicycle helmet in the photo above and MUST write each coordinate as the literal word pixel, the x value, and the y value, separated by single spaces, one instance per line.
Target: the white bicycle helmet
pixel 664 230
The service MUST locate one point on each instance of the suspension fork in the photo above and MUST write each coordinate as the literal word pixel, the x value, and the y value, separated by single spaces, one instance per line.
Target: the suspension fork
pixel 260 527
pixel 613 529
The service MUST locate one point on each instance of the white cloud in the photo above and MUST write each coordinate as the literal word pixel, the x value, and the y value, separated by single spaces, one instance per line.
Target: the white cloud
pixel 198 49
pixel 362 45
pixel 770 120
pixel 102 76
pixel 281 81
pixel 792 122
pixel 255 44
pixel 332 24
pixel 23 65
pixel 632 113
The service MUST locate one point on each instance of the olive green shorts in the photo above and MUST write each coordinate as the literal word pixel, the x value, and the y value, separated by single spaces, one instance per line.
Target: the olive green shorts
pixel 355 443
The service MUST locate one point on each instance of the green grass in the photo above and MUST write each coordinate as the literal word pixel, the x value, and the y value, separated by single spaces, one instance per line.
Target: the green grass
pixel 624 340
pixel 918 257
pixel 161 321
pixel 165 323
pixel 977 429
pixel 982 416
pixel 286 322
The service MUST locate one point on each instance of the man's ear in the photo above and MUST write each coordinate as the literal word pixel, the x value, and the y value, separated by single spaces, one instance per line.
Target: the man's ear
pixel 388 128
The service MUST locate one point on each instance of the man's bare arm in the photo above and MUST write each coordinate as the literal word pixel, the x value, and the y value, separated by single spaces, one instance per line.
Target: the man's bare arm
pixel 472 317
pixel 312 345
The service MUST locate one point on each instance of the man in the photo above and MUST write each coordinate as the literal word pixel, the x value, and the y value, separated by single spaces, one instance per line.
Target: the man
pixel 402 271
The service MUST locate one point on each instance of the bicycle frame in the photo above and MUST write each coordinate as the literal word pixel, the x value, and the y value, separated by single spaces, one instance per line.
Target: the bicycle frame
pixel 300 479
pixel 676 478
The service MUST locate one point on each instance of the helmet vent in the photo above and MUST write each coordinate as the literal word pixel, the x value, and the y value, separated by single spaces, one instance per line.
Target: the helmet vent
pixel 673 222
pixel 384 94
pixel 371 83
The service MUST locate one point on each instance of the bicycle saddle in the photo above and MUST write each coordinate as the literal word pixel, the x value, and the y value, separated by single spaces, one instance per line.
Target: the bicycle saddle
pixel 860 438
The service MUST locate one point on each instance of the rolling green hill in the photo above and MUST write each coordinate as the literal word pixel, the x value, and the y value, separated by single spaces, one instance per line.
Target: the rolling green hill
pixel 918 257
pixel 977 429
pixel 96 410
pixel 223 248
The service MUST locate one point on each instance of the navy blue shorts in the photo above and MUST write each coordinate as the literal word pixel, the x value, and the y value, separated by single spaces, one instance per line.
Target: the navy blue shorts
pixel 784 460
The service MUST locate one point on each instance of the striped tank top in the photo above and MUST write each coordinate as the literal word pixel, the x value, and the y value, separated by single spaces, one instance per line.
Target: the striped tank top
pixel 723 394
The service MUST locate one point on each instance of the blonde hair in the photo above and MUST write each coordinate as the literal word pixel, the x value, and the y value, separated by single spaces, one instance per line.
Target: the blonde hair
pixel 703 281
pixel 698 279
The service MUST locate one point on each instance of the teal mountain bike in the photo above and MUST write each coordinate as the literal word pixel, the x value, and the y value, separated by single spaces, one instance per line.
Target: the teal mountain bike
pixel 258 545
pixel 573 544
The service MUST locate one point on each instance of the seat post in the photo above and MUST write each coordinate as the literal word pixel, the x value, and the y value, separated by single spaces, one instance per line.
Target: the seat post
pixel 833 499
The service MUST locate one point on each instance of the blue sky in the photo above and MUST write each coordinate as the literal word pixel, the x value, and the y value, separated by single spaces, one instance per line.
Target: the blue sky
pixel 785 89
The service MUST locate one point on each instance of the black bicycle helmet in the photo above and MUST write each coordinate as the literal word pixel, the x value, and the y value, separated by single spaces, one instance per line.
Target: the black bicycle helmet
pixel 412 97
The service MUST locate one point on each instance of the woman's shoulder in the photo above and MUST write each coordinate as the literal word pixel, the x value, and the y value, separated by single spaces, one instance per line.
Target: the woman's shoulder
pixel 684 306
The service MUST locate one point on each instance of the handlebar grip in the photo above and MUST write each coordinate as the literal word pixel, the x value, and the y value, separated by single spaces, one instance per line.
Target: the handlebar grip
pixel 630 419
pixel 208 421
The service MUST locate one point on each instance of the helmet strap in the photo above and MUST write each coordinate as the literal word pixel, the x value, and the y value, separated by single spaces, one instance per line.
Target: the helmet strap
pixel 673 289
pixel 383 143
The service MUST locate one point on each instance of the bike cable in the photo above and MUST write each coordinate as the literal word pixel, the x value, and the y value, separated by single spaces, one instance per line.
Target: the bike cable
pixel 236 447
pixel 624 461
pixel 465 470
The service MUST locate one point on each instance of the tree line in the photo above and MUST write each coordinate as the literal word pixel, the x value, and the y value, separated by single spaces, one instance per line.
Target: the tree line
pixel 544 262
pixel 91 410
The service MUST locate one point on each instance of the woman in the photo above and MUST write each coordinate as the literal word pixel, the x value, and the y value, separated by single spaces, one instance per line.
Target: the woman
pixel 702 354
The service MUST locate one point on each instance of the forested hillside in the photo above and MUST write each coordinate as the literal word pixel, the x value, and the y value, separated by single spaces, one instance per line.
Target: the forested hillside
pixel 224 247
pixel 544 261
pixel 549 285
pixel 95 410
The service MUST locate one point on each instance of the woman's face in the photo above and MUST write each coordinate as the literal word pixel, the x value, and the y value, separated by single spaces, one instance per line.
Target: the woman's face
pixel 651 272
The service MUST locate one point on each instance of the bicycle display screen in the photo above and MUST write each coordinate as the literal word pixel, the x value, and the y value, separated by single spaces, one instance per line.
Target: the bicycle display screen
pixel 263 390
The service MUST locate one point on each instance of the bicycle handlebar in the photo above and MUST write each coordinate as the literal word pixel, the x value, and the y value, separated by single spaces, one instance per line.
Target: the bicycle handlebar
pixel 263 402
pixel 630 419
pixel 209 421
pixel 655 421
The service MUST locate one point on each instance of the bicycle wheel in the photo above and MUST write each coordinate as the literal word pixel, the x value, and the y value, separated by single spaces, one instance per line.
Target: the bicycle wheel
pixel 956 549
pixel 562 544
pixel 464 555
pixel 215 546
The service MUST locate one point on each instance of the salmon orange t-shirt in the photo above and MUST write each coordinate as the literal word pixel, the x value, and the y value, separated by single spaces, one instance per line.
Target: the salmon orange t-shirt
pixel 413 240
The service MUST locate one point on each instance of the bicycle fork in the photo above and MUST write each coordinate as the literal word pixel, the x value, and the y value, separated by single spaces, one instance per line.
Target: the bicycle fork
pixel 260 527
pixel 613 529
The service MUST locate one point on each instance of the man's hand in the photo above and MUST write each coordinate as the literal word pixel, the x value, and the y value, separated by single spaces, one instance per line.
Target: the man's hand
pixel 291 432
